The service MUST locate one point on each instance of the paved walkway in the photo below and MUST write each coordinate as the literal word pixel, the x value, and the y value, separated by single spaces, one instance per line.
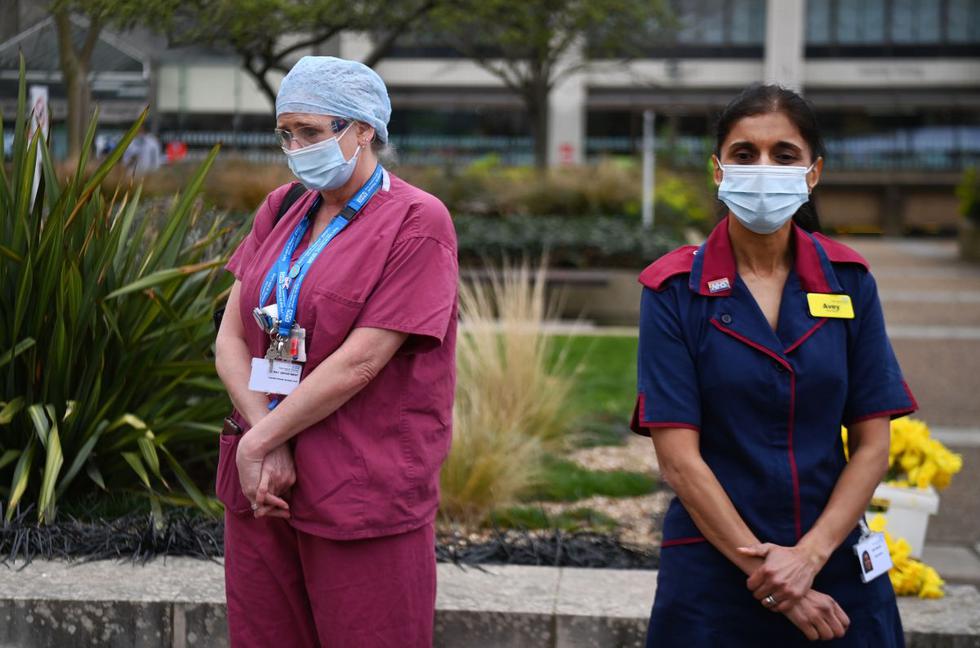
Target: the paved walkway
pixel 932 309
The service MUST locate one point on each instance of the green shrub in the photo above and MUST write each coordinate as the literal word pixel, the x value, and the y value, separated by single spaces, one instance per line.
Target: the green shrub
pixel 609 188
pixel 968 191
pixel 591 242
pixel 106 374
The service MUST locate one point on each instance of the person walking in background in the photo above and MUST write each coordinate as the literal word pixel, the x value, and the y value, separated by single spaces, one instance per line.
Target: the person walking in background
pixel 338 352
pixel 754 349
pixel 143 154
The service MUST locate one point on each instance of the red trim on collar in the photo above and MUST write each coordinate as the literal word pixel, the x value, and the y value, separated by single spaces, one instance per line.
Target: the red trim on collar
pixel 719 261
pixel 669 265
pixel 837 252
pixel 805 336
pixel 808 265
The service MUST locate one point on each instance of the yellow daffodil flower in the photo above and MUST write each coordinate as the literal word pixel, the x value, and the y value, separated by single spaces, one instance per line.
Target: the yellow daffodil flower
pixel 909 577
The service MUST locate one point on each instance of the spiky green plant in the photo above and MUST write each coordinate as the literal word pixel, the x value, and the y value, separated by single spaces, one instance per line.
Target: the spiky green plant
pixel 106 376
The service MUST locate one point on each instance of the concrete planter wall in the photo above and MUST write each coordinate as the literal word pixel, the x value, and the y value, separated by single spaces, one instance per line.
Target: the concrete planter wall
pixel 607 297
pixel 969 238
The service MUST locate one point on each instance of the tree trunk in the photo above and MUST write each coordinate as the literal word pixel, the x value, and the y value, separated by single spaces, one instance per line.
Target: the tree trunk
pixel 536 102
pixel 74 74
pixel 252 67
pixel 79 101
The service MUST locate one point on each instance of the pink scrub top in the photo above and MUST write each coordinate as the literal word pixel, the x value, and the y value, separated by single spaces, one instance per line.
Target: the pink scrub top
pixel 371 468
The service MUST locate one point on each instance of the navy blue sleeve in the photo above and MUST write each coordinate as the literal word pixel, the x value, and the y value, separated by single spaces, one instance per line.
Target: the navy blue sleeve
pixel 667 382
pixel 875 386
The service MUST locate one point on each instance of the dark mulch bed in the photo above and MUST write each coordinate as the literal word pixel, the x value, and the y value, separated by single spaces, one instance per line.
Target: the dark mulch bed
pixel 552 548
pixel 136 538
pixel 133 537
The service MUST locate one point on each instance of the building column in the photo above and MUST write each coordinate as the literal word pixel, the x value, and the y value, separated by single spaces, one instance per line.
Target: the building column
pixel 566 118
pixel 349 44
pixel 785 40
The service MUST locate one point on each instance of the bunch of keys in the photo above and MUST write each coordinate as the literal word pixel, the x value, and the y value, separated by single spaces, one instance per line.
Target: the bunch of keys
pixel 287 349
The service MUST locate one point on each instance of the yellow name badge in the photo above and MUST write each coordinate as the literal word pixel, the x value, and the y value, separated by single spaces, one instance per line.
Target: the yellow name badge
pixel 830 305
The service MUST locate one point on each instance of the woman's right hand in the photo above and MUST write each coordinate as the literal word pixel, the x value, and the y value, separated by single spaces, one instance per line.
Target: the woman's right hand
pixel 278 476
pixel 818 616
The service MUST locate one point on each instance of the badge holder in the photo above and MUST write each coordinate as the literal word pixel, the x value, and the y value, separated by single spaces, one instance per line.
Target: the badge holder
pixel 280 370
pixel 872 554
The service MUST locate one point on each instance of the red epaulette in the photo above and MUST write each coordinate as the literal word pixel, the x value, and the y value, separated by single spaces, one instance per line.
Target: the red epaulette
pixel 669 265
pixel 837 252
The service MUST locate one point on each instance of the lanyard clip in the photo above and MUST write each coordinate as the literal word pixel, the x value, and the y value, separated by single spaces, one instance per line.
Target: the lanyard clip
pixel 865 529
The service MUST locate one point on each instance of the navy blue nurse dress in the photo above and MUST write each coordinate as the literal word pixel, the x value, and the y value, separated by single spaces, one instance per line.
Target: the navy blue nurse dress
pixel 768 406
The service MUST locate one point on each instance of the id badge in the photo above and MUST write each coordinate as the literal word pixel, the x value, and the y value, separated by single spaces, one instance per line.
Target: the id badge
pixel 836 306
pixel 274 376
pixel 872 554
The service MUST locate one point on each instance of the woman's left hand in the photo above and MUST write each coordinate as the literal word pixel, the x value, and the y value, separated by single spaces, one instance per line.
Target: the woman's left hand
pixel 249 461
pixel 787 574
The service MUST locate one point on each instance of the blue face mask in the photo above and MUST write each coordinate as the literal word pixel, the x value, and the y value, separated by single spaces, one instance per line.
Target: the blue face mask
pixel 763 197
pixel 322 166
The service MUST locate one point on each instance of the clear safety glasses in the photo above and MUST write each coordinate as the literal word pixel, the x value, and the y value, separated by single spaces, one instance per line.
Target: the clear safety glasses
pixel 306 135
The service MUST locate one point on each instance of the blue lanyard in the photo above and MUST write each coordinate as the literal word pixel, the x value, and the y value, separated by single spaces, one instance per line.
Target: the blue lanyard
pixel 288 280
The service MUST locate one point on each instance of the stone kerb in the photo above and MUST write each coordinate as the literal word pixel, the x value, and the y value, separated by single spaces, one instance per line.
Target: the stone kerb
pixel 179 603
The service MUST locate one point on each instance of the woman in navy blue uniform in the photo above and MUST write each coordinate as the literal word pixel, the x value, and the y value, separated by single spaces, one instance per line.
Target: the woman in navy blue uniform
pixel 754 349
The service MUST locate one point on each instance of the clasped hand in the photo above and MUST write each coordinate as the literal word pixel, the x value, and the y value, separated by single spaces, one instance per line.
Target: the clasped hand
pixel 265 479
pixel 787 575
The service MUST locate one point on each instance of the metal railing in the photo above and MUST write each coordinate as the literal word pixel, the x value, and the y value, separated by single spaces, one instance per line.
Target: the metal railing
pixel 925 149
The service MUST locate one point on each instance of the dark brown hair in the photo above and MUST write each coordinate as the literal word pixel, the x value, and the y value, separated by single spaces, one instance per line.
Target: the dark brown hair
pixel 759 99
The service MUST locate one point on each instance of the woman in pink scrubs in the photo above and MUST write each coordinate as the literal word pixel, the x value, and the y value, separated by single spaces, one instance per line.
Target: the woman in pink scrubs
pixel 337 351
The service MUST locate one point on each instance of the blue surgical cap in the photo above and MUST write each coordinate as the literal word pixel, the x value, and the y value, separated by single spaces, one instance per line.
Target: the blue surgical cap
pixel 326 85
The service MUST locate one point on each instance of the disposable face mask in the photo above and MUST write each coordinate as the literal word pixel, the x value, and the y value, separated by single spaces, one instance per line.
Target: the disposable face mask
pixel 322 166
pixel 763 197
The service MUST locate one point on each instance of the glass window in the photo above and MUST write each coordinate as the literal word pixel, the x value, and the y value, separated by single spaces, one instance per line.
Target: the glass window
pixel 818 22
pixel 963 21
pixel 712 21
pixel 702 22
pixel 861 22
pixel 748 22
pixel 916 21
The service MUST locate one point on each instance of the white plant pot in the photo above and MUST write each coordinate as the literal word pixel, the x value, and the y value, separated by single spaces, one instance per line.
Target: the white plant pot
pixel 907 512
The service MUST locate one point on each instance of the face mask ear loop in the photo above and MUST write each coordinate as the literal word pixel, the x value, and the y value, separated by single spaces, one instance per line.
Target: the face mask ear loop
pixel 810 168
pixel 718 165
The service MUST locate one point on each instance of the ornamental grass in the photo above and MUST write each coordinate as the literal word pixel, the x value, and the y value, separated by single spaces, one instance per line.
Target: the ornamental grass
pixel 513 394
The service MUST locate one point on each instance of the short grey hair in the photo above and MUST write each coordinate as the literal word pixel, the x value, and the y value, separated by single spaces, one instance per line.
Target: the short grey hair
pixel 384 151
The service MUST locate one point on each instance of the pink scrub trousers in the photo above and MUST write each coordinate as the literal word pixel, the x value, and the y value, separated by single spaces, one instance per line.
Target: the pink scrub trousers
pixel 287 589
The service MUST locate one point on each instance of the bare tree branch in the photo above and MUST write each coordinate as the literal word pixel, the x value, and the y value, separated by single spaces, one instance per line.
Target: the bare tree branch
pixel 383 46
pixel 317 39
pixel 91 38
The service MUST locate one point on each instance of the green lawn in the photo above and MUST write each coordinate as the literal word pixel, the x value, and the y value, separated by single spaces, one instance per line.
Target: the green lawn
pixel 531 517
pixel 566 481
pixel 606 384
